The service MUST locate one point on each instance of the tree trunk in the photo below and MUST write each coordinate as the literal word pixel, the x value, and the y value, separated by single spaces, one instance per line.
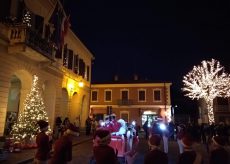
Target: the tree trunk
pixel 210 111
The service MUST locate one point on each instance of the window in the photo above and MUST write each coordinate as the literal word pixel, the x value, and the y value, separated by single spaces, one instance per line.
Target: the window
pixel 157 95
pixel 108 95
pixel 124 94
pixel 141 95
pixel 65 56
pixel 70 60
pixel 76 64
pixel 94 96
pixel 82 68
pixel 222 101
pixel 124 115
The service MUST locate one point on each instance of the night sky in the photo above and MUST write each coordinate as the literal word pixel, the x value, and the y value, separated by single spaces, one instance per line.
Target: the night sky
pixel 158 40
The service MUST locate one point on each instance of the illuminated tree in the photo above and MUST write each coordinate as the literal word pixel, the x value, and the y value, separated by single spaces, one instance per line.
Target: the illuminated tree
pixel 34 110
pixel 207 81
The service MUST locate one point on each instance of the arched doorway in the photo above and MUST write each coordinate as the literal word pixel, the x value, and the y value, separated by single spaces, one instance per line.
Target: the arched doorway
pixel 13 103
pixel 20 85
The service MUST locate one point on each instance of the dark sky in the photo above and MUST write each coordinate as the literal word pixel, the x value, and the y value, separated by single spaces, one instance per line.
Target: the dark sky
pixel 158 40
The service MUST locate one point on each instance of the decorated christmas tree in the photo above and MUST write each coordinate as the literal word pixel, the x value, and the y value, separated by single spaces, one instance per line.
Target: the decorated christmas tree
pixel 26 127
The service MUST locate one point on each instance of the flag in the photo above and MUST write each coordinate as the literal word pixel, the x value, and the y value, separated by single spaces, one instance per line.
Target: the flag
pixel 64 28
pixel 56 19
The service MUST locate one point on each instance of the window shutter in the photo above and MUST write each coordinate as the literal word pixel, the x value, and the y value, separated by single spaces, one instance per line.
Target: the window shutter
pixel 65 56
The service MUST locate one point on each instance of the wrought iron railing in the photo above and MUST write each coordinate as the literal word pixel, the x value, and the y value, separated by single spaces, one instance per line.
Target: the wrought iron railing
pixel 35 41
pixel 19 33
pixel 124 102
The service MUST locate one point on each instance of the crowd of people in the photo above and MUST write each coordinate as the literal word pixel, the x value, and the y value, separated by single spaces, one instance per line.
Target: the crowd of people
pixel 194 141
pixel 64 132
pixel 191 139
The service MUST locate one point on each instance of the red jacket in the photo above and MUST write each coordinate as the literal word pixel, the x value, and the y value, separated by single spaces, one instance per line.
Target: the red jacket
pixel 62 151
pixel 43 147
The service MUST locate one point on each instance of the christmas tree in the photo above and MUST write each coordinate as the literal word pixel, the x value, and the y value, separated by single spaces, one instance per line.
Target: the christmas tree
pixel 26 127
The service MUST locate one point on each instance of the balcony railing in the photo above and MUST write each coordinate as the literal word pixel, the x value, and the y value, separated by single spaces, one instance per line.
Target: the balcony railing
pixel 19 33
pixel 35 41
pixel 13 33
pixel 122 102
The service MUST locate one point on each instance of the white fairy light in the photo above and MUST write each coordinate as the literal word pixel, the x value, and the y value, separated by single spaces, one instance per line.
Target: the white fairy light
pixel 34 110
pixel 27 19
pixel 207 81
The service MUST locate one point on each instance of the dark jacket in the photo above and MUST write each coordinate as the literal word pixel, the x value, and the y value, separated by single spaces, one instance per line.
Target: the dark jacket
pixel 219 156
pixel 104 155
pixel 156 156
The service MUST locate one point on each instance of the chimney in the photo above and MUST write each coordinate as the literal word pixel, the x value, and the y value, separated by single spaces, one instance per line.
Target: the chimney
pixel 135 77
pixel 116 78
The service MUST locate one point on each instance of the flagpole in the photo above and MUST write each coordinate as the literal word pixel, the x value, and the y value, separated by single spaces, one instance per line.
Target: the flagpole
pixel 59 3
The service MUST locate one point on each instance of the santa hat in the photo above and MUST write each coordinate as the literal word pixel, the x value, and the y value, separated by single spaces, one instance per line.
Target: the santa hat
pixel 154 140
pixel 187 141
pixel 72 130
pixel 102 137
pixel 42 124
pixel 219 140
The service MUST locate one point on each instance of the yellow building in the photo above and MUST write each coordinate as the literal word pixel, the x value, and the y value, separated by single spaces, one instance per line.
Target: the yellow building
pixel 134 100
pixel 28 46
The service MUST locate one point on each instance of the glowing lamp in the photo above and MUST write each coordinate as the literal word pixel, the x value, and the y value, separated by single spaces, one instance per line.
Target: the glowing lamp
pixel 81 84
pixel 162 126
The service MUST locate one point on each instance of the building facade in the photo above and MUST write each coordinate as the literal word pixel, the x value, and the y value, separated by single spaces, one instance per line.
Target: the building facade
pixel 32 41
pixel 221 108
pixel 131 101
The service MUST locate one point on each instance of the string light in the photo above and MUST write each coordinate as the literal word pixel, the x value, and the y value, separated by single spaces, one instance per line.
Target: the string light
pixel 27 19
pixel 207 81
pixel 34 110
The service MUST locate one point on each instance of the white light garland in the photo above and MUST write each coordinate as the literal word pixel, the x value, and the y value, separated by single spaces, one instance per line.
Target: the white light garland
pixel 207 81
pixel 34 110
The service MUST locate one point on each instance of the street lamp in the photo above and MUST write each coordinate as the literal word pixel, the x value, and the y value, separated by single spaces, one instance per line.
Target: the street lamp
pixel 81 84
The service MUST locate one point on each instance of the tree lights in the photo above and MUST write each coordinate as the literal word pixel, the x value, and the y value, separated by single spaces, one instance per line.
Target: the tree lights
pixel 34 110
pixel 27 19
pixel 207 81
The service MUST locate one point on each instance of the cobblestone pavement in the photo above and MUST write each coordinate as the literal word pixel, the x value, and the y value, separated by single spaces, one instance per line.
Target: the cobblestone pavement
pixel 82 152
pixel 26 156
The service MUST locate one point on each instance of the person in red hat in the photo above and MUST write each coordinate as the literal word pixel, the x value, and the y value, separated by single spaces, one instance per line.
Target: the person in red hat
pixel 189 156
pixel 155 156
pixel 103 153
pixel 63 146
pixel 218 153
pixel 43 144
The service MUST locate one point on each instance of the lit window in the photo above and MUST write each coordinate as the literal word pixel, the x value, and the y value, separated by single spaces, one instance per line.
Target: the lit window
pixel 124 94
pixel 157 95
pixel 94 96
pixel 141 95
pixel 108 95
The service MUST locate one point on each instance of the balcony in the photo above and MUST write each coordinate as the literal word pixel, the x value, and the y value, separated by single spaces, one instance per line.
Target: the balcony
pixel 127 102
pixel 23 41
